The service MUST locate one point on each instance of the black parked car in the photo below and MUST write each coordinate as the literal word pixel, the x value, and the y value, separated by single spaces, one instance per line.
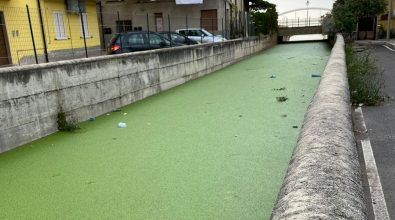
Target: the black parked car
pixel 178 38
pixel 138 41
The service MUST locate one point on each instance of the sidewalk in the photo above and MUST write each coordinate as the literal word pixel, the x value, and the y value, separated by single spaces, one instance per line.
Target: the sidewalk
pixel 380 129
pixel 390 43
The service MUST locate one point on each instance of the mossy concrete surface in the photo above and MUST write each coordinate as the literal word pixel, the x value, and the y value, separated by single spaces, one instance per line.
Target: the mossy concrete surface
pixel 214 148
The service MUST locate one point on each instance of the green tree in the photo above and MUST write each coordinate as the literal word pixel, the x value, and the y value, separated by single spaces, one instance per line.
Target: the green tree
pixel 260 5
pixel 367 8
pixel 328 26
pixel 346 13
pixel 264 15
pixel 344 19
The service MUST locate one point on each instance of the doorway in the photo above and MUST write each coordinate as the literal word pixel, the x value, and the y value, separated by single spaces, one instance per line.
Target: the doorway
pixel 158 22
pixel 209 20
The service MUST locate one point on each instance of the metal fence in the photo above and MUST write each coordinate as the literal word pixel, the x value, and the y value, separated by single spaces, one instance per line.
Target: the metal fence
pixel 29 35
pixel 112 23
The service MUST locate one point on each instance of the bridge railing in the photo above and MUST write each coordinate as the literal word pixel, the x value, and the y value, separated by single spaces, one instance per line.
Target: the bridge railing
pixel 300 22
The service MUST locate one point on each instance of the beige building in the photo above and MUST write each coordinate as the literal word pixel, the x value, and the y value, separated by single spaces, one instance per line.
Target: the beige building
pixel 222 17
pixel 383 19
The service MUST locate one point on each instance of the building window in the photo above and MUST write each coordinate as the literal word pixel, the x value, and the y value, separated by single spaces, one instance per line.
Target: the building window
pixel 84 24
pixel 60 31
pixel 124 26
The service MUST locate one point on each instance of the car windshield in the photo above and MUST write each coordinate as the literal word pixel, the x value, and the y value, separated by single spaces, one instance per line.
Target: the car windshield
pixel 195 32
pixel 207 33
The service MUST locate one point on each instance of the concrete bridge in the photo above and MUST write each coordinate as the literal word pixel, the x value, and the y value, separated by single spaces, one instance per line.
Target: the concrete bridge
pixel 290 31
pixel 290 28
pixel 299 26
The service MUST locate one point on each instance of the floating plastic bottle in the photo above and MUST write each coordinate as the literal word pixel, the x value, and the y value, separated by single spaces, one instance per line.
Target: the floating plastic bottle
pixel 121 125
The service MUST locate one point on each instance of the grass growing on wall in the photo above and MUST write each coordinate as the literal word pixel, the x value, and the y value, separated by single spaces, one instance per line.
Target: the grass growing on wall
pixel 364 77
pixel 66 125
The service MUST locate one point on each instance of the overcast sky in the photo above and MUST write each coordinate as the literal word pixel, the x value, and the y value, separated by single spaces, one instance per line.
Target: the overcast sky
pixel 286 5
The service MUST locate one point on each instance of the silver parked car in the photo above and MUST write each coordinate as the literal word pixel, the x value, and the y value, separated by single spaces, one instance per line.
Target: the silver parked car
pixel 200 35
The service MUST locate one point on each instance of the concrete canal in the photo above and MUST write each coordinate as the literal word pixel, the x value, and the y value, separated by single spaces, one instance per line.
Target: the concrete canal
pixel 214 148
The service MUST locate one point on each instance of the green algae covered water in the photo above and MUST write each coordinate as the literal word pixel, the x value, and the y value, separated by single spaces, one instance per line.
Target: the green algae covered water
pixel 214 148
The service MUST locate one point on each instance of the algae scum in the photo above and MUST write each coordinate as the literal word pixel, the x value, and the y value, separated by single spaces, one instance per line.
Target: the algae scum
pixel 214 148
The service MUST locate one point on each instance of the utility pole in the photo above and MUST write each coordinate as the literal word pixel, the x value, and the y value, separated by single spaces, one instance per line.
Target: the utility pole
pixel 307 19
pixel 389 19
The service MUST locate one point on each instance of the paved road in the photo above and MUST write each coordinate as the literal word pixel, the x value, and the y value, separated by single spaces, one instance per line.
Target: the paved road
pixel 380 122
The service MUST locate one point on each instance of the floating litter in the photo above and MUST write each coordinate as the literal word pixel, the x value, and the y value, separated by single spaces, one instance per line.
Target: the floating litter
pixel 315 75
pixel 107 114
pixel 92 119
pixel 121 125
pixel 282 99
pixel 125 113
pixel 116 110
pixel 280 89
pixel 273 76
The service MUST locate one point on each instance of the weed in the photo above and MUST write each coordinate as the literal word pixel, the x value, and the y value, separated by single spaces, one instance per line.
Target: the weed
pixel 282 98
pixel 364 78
pixel 64 124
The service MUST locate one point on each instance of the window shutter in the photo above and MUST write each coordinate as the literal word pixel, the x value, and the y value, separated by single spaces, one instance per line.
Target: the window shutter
pixel 56 23
pixel 85 25
pixel 60 32
pixel 61 26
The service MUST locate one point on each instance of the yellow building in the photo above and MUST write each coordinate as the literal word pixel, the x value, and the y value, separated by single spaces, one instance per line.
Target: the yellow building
pixel 59 29
pixel 382 21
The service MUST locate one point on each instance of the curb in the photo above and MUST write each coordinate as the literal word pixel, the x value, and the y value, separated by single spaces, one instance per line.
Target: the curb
pixel 386 43
pixel 392 46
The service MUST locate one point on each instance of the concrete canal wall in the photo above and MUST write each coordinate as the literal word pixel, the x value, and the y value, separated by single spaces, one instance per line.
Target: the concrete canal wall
pixel 32 96
pixel 323 179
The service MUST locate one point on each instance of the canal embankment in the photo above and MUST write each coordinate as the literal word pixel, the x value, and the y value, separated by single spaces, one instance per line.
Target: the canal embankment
pixel 217 147
pixel 323 180
pixel 32 96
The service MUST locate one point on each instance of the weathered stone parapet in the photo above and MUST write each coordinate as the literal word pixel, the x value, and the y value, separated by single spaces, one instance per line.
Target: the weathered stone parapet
pixel 323 179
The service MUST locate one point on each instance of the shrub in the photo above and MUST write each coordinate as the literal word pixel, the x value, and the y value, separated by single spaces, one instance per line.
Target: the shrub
pixel 382 33
pixel 364 77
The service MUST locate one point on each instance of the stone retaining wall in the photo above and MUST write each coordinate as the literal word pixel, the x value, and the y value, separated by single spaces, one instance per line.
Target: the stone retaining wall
pixel 31 96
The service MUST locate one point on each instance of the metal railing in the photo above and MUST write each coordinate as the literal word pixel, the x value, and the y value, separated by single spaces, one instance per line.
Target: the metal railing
pixel 299 22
